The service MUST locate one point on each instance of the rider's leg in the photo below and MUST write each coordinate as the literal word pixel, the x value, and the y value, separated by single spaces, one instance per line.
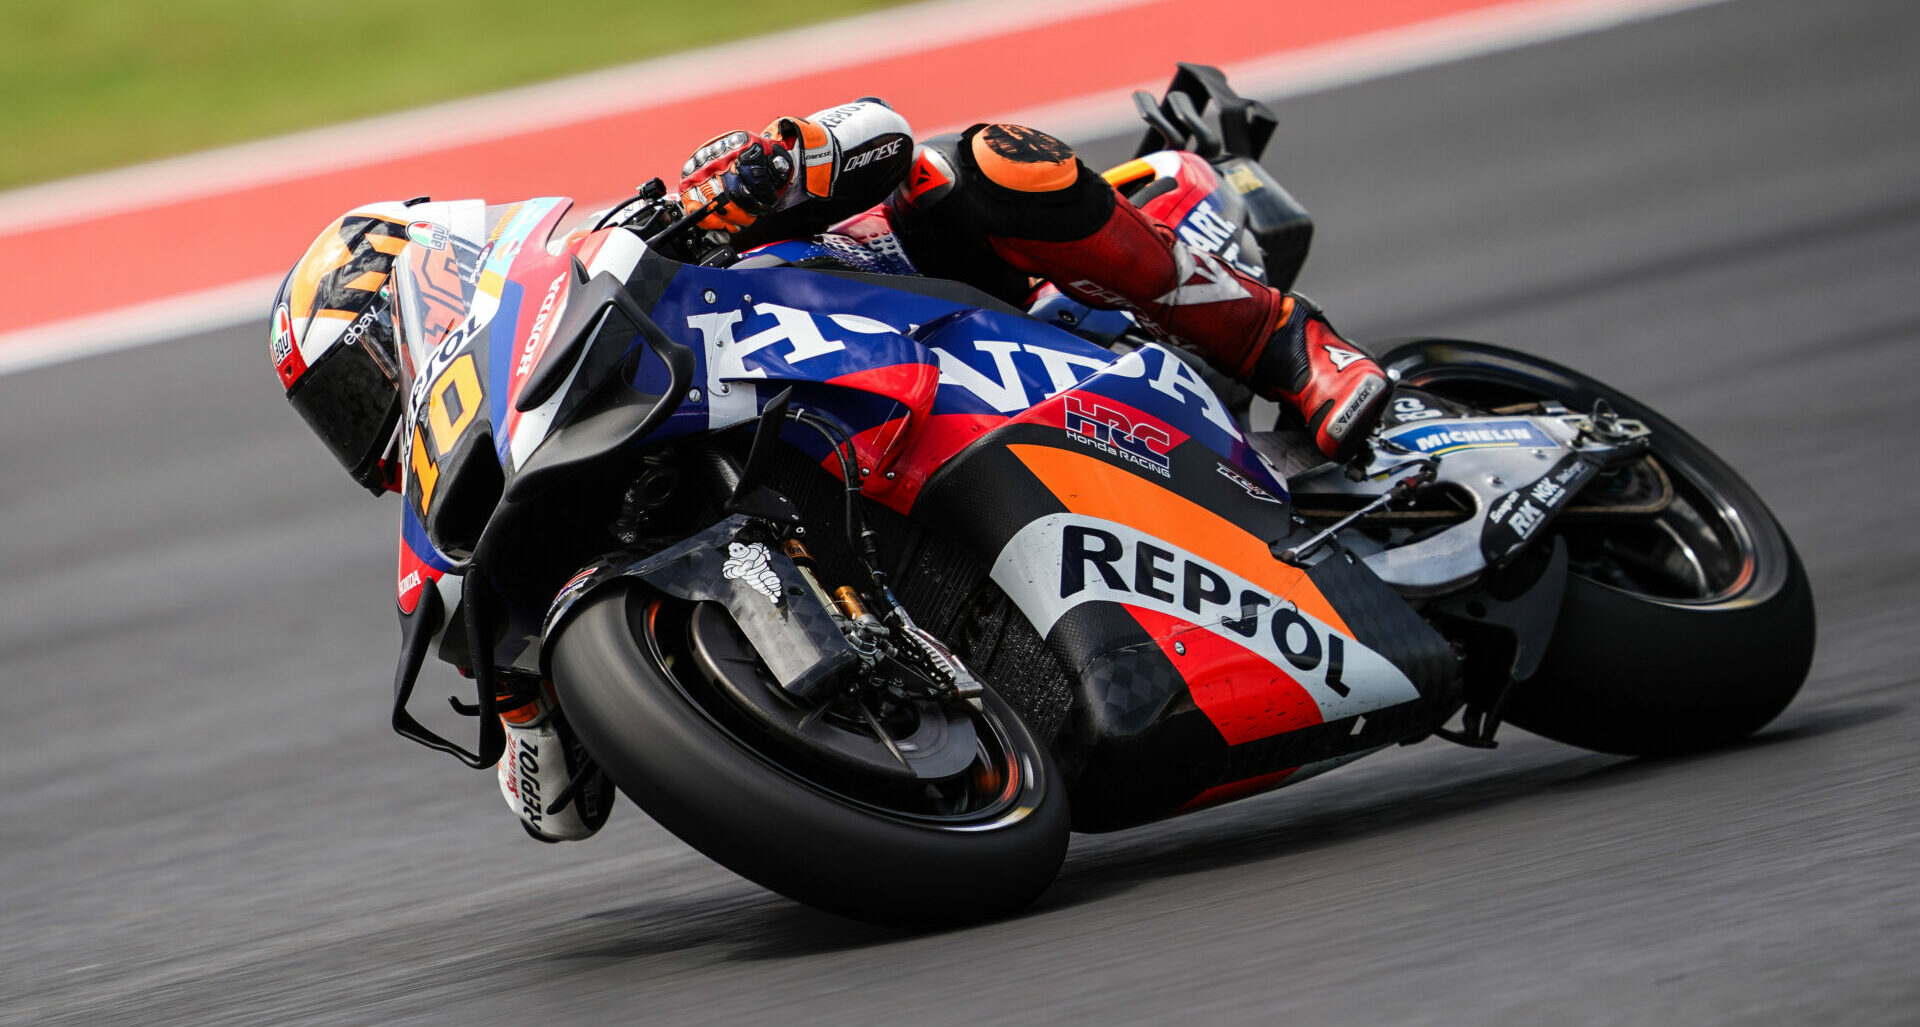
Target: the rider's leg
pixel 542 762
pixel 1023 197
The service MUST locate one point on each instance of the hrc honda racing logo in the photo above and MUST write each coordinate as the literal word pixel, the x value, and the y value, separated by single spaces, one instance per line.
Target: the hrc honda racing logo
pixel 1139 442
pixel 1061 561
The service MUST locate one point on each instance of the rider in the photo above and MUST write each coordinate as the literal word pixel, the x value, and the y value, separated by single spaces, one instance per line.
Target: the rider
pixel 999 205
pixel 995 207
pixel 1003 204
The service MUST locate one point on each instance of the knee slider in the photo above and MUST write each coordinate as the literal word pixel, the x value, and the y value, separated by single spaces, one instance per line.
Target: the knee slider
pixel 1023 159
pixel 954 200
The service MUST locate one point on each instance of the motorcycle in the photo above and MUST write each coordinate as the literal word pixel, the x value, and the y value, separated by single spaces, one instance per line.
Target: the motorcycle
pixel 873 587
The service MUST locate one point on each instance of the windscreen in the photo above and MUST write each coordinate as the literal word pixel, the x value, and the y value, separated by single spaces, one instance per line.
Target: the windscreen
pixel 436 277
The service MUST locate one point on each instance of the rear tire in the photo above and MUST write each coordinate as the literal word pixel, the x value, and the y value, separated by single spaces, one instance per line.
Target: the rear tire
pixel 1691 631
pixel 816 834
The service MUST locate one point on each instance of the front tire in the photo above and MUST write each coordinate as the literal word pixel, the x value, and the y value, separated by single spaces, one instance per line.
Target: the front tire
pixel 981 846
pixel 1688 631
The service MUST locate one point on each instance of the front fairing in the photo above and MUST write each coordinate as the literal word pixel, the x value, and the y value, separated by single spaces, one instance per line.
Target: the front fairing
pixel 912 370
pixel 538 361
pixel 499 310
pixel 461 296
pixel 756 332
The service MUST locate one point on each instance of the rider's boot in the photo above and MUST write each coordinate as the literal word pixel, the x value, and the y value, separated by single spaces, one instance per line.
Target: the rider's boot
pixel 1278 343
pixel 1334 385
pixel 543 760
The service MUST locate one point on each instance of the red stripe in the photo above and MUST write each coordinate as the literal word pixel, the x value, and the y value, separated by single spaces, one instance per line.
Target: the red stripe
pixel 87 267
pixel 1246 697
pixel 937 441
pixel 1219 794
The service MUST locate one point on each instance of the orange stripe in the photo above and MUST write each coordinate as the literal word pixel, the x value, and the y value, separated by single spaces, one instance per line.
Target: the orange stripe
pixel 1092 487
pixel 368 281
pixel 820 180
pixel 325 254
pixel 813 141
pixel 812 136
pixel 523 714
pixel 388 244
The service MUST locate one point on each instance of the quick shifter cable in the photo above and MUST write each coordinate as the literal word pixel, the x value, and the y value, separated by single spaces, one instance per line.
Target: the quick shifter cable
pixel 1428 470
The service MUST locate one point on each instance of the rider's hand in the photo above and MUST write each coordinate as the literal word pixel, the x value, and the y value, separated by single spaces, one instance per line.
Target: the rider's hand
pixel 750 171
pixel 790 161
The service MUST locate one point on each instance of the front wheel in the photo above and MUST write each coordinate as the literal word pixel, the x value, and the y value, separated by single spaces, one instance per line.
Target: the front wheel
pixel 1688 628
pixel 638 681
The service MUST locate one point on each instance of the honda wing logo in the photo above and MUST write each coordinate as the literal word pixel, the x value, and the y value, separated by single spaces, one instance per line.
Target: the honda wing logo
pixel 1005 389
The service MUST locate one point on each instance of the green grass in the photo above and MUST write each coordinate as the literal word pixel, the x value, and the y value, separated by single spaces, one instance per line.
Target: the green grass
pixel 92 84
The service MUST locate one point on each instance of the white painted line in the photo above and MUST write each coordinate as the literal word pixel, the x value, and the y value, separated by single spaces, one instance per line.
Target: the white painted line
pixel 140 325
pixel 683 76
pixel 1361 58
pixel 1297 73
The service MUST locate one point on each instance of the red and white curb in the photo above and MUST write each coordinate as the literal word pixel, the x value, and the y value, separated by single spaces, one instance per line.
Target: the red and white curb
pixel 1072 111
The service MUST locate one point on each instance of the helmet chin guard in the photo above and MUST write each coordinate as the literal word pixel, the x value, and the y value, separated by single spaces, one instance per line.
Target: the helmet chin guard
pixel 332 341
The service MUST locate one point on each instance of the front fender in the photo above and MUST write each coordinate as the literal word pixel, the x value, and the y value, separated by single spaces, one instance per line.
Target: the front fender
pixel 767 595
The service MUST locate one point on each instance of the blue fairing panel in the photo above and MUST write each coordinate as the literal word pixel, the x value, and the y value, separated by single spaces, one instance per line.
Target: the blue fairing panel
pixel 790 325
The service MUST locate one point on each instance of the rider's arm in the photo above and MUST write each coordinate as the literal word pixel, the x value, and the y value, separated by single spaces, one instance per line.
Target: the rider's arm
pixel 801 174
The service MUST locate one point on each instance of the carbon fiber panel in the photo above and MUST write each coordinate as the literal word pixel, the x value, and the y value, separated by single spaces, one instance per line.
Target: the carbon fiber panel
pixel 945 589
pixel 1383 622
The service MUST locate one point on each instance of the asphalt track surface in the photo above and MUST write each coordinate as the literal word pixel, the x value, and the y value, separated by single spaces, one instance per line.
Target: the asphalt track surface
pixel 206 820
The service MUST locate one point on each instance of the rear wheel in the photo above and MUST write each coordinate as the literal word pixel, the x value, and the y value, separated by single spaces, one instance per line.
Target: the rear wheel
pixel 663 694
pixel 1682 629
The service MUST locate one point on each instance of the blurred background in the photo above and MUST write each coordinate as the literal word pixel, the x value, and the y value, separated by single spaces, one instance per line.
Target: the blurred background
pixel 112 82
pixel 205 819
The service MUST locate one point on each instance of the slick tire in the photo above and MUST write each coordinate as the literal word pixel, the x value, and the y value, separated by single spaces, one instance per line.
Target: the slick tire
pixel 653 726
pixel 1650 674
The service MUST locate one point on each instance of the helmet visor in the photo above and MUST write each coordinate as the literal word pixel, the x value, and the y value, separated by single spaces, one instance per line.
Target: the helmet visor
pixel 351 398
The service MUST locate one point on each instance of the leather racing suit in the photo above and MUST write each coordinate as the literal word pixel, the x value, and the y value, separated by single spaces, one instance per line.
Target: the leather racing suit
pixel 1000 205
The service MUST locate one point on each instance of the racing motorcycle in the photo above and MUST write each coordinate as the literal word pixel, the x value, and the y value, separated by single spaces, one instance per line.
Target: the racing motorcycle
pixel 872 587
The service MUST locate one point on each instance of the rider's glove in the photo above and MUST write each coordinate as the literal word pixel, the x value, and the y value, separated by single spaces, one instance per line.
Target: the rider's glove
pixel 749 171
pixel 757 175
pixel 814 152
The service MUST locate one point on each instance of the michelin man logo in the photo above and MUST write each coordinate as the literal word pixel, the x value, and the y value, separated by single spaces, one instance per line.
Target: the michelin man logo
pixel 752 564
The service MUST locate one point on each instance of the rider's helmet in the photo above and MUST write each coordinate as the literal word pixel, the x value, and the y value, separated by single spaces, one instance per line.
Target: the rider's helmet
pixel 333 342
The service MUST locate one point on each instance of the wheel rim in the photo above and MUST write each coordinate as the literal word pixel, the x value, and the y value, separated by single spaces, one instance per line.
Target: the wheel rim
pixel 1713 545
pixel 999 787
pixel 1698 550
